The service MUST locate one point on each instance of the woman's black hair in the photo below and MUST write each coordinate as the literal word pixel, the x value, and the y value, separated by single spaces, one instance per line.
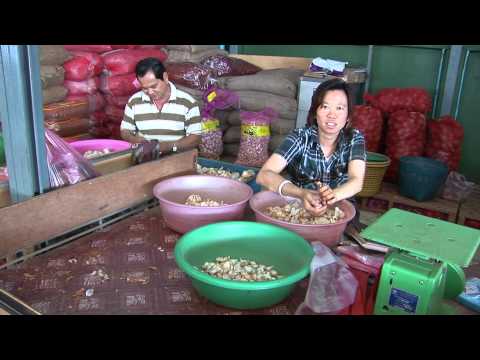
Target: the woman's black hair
pixel 319 95
pixel 150 64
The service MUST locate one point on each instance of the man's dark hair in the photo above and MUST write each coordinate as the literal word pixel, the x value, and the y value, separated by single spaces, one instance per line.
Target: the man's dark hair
pixel 150 64
pixel 319 95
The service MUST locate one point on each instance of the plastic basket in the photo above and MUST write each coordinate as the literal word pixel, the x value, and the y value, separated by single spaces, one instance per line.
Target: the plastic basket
pixel 231 167
pixel 377 165
pixel 421 178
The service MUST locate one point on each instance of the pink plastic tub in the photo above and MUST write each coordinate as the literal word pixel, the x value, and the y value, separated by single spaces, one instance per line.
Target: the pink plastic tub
pixel 82 146
pixel 182 218
pixel 328 234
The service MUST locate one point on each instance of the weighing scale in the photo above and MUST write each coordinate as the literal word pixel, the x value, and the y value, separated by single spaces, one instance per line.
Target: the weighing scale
pixel 424 265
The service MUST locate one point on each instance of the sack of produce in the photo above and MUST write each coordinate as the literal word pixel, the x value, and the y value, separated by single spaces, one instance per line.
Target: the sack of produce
pixel 369 121
pixel 224 65
pixel 391 100
pixel 406 136
pixel 84 65
pixel 124 61
pixel 214 99
pixel 444 141
pixel 255 136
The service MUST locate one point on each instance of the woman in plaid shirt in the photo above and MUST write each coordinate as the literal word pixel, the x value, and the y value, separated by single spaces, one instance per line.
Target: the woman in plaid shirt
pixel 326 159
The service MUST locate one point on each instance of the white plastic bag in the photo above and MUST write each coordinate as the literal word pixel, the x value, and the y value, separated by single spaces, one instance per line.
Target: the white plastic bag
pixel 332 287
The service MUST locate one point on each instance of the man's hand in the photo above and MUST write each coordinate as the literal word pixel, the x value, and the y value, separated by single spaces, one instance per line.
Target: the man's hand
pixel 312 202
pixel 146 151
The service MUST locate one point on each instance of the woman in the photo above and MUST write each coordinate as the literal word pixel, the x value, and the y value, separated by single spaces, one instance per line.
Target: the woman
pixel 326 159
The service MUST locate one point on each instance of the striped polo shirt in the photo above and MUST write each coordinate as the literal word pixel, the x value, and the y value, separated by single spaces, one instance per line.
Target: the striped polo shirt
pixel 180 116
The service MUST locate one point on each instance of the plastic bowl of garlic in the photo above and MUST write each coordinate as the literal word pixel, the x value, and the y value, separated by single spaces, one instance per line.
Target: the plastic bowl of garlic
pixel 98 147
pixel 329 233
pixel 190 201
pixel 287 252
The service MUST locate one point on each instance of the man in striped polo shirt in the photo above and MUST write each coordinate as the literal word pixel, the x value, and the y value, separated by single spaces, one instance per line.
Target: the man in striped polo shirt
pixel 160 112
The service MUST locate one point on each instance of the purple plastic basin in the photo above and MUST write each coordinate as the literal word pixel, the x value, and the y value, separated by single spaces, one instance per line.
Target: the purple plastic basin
pixel 328 234
pixel 82 146
pixel 182 218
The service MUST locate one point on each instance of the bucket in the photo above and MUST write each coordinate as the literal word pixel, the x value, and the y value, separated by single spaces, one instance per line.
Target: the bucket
pixel 421 178
pixel 377 165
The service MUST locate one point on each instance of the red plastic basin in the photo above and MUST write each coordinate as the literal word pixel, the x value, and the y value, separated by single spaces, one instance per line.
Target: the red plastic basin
pixel 328 234
pixel 173 192
pixel 82 146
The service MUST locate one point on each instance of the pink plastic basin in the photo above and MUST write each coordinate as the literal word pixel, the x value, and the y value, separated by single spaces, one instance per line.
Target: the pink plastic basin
pixel 328 234
pixel 82 146
pixel 182 218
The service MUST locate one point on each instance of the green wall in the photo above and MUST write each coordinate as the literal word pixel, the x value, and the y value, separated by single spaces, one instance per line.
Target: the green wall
pixel 467 109
pixel 408 66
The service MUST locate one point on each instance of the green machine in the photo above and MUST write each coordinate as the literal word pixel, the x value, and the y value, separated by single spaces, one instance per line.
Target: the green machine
pixel 424 265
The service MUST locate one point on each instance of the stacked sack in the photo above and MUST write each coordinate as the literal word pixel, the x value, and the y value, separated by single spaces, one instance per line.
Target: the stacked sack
pixel 405 110
pixel 369 121
pixel 199 68
pixel 110 82
pixel 118 81
pixel 186 72
pixel 444 141
pixel 52 73
pixel 191 53
pixel 68 118
pixel 275 89
pixel 82 79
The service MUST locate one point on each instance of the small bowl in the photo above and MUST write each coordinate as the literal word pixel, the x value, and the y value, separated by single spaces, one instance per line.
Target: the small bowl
pixel 173 192
pixel 270 245
pixel 329 234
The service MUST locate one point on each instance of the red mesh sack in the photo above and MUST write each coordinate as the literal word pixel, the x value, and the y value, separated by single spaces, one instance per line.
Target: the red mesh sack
pixel 85 87
pixel 100 132
pixel 99 119
pixel 123 61
pixel 120 85
pixel 96 100
pixel 191 75
pixel 369 121
pixel 118 101
pixel 83 65
pixel 395 99
pixel 90 48
pixel 115 131
pixel 223 65
pixel 114 113
pixel 444 141
pixel 406 136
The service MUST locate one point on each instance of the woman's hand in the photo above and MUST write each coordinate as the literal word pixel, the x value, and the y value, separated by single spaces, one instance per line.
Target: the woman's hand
pixel 312 202
pixel 327 196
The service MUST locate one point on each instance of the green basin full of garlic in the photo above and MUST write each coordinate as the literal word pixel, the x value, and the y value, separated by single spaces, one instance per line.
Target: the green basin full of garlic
pixel 240 269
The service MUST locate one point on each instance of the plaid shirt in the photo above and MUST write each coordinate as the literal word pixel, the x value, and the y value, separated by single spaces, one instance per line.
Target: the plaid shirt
pixel 307 163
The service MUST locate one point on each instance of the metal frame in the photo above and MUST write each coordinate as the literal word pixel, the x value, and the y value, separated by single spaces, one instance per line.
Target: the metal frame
pixel 22 120
pixel 462 80
pixel 451 79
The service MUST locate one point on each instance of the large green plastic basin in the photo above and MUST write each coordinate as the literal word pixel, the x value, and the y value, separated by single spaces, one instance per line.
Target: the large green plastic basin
pixel 287 251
